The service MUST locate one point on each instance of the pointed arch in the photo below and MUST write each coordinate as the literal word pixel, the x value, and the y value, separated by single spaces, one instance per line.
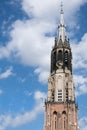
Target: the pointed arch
pixel 64 119
pixel 64 112
pixel 55 120
pixel 60 55
pixel 54 113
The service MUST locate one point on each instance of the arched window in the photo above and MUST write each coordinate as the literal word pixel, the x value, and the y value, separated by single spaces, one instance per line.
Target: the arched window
pixel 64 112
pixel 54 60
pixel 60 56
pixel 66 58
pixel 64 119
pixel 54 113
pixel 55 120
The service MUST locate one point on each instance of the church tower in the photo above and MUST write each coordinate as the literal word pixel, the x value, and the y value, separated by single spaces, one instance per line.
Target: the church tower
pixel 61 111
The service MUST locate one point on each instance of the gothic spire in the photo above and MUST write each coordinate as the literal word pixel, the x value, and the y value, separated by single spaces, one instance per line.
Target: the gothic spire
pixel 62 27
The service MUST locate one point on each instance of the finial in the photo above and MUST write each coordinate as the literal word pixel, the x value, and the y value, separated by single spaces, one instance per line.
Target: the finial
pixel 62 27
pixel 61 7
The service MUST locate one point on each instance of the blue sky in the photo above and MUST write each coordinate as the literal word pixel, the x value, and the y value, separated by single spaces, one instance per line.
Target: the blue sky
pixel 27 32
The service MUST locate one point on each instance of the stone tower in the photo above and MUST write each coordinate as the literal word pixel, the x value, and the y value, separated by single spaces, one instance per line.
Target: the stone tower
pixel 61 111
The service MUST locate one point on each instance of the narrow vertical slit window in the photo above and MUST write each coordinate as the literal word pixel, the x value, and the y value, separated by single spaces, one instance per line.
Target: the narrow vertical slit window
pixel 67 94
pixel 64 123
pixel 55 123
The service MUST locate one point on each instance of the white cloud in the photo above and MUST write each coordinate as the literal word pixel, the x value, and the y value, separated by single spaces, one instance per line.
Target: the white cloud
pixel 9 120
pixel 83 123
pixel 6 74
pixel 79 53
pixel 33 48
pixel 40 96
pixel 80 84
pixel 43 74
pixel 1 91
pixel 21 119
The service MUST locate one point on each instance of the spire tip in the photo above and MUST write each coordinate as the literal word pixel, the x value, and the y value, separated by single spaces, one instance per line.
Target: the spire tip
pixel 61 7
